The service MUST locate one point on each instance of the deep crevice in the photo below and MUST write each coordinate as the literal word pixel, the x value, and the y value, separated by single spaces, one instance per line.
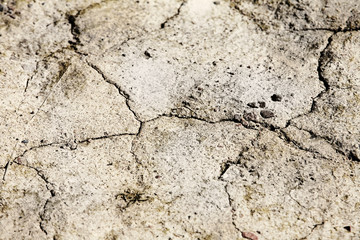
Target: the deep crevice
pixel 75 30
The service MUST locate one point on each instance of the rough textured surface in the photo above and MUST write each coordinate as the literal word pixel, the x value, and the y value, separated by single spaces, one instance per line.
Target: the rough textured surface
pixel 174 119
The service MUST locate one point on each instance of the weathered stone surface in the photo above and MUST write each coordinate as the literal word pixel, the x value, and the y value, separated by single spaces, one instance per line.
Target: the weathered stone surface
pixel 194 119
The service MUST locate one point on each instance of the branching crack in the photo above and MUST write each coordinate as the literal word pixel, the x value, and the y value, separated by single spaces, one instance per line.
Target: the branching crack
pixel 18 158
pixel 163 25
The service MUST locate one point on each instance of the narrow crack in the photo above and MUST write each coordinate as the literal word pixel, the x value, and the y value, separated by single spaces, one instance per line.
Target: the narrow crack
pixel 233 215
pixel 63 68
pixel 298 203
pixel 312 230
pixel 121 91
pixel 33 75
pixel 163 25
pixel 50 189
pixel 42 218
pixel 132 150
pixel 258 22
pixel 87 140
pixel 350 155
pixel 16 159
pixel 320 69
pixel 334 30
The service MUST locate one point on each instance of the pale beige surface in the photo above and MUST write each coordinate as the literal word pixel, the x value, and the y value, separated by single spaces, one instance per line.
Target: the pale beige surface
pixel 168 119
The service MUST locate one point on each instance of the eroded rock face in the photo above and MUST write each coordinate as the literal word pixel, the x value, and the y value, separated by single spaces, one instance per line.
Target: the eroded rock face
pixel 179 120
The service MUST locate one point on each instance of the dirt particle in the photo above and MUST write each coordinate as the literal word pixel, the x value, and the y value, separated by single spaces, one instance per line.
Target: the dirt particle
pixel 276 98
pixel 147 54
pixel 52 193
pixel 262 104
pixel 253 105
pixel 348 228
pixel 267 114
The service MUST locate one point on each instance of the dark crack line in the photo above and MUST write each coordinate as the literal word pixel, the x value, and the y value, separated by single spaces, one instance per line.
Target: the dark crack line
pixel 75 30
pixel 31 78
pixel 50 189
pixel 298 145
pixel 132 150
pixel 312 230
pixel 87 140
pixel 334 30
pixel 42 218
pixel 259 23
pixel 350 155
pixel 121 91
pixel 7 166
pixel 298 203
pixel 163 25
pixel 38 172
pixel 230 200
pixel 320 69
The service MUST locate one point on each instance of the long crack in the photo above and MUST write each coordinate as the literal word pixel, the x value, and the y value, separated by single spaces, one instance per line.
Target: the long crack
pixel 50 189
pixel 121 91
pixel 163 24
pixel 325 82
pixel 7 166
pixel 230 200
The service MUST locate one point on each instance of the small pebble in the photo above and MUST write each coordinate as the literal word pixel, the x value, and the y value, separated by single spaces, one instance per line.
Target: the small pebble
pixel 276 98
pixel 267 114
pixel 25 141
pixel 252 105
pixel 147 54
pixel 249 235
pixel 1 8
pixel 262 104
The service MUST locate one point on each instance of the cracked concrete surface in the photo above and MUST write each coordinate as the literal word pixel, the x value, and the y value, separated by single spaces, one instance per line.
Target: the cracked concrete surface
pixel 192 119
